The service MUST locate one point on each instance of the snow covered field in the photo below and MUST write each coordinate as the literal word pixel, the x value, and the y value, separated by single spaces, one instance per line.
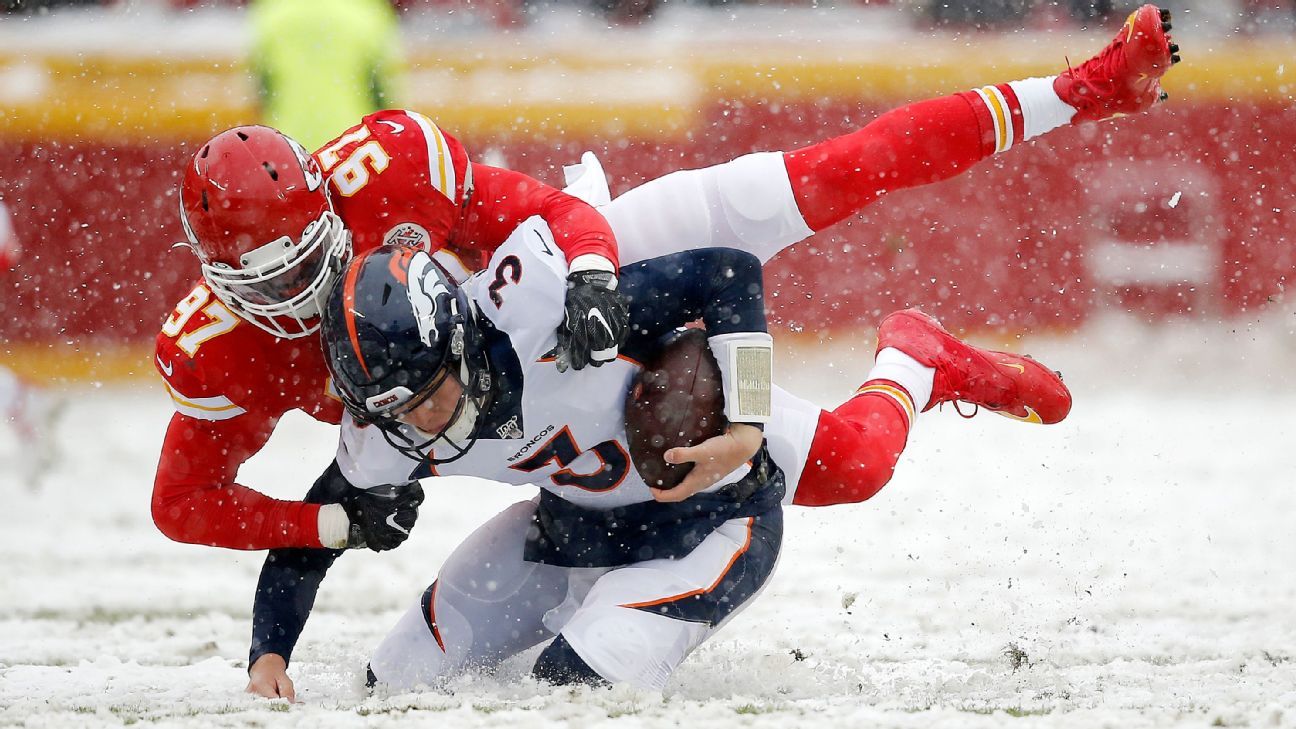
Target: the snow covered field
pixel 1130 567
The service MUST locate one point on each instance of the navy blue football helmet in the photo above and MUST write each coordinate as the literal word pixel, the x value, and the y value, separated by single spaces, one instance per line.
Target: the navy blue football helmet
pixel 395 329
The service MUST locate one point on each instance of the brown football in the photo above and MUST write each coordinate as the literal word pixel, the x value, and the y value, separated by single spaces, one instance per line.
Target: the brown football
pixel 677 400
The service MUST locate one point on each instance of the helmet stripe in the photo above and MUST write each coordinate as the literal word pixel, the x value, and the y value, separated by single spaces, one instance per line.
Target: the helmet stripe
pixel 348 308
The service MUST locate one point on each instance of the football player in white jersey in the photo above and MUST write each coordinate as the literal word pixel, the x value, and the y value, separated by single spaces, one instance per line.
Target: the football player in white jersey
pixel 462 380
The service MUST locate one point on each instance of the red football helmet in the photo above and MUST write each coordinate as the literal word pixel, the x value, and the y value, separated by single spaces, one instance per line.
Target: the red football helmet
pixel 256 211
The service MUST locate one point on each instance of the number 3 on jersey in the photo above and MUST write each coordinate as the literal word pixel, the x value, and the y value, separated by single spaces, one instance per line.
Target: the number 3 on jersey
pixel 508 271
pixel 219 320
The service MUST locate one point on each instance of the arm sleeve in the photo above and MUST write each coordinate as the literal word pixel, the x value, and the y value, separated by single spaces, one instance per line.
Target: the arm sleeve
pixel 290 579
pixel 502 199
pixel 721 286
pixel 195 499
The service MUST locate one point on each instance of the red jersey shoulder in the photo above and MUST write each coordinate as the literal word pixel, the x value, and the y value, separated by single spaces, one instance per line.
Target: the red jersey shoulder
pixel 397 178
pixel 217 366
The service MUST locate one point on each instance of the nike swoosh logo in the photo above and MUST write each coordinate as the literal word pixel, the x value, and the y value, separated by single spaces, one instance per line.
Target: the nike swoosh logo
pixel 391 522
pixel 597 315
pixel 1021 368
pixel 166 366
pixel 544 243
pixel 1030 417
pixel 396 126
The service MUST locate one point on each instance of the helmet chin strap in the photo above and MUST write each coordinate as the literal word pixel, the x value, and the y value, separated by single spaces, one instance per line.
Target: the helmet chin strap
pixel 463 426
pixel 460 429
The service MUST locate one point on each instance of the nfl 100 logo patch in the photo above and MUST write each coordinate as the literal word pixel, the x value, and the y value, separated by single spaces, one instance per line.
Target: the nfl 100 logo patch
pixel 510 429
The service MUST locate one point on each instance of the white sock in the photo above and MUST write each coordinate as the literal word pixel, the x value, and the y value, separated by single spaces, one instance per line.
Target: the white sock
pixel 1042 109
pixel 907 372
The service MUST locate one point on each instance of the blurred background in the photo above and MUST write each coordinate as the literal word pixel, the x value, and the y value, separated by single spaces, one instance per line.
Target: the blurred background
pixel 1181 213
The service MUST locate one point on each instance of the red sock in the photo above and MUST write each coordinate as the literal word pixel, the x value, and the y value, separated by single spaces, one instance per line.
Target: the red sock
pixel 906 147
pixel 856 446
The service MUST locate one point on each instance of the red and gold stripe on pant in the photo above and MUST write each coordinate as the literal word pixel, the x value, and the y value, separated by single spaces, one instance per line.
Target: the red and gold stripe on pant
pixel 892 391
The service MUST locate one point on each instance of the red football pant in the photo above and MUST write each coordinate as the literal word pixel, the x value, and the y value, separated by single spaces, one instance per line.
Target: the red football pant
pixel 854 451
pixel 910 146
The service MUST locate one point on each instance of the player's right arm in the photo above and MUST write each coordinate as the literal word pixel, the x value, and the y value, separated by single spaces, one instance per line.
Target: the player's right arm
pixel 290 578
pixel 207 357
pixel 725 289
pixel 285 595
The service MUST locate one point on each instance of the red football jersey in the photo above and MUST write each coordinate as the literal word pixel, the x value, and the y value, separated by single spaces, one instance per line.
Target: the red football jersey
pixel 393 178
pixel 231 382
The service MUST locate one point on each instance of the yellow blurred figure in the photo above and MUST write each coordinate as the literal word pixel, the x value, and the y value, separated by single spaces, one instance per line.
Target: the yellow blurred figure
pixel 323 64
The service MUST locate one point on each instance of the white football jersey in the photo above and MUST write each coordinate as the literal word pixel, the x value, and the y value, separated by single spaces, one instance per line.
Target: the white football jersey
pixel 566 431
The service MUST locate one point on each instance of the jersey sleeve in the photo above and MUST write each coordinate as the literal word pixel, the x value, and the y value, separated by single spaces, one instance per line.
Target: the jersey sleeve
pixel 502 199
pixel 397 178
pixel 721 286
pixel 523 287
pixel 223 416
pixel 290 579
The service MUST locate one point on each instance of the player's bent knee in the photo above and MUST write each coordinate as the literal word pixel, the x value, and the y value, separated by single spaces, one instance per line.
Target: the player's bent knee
pixel 624 645
pixel 863 481
pixel 819 487
pixel 409 656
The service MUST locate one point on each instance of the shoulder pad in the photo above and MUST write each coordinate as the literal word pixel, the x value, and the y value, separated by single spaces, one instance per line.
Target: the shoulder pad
pixel 523 288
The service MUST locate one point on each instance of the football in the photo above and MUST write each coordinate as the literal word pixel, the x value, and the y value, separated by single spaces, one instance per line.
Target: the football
pixel 677 400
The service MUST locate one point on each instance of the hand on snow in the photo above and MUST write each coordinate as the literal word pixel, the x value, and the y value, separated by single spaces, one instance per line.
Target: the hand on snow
pixel 268 678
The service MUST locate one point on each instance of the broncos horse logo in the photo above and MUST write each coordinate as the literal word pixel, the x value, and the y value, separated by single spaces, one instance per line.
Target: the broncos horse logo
pixel 425 292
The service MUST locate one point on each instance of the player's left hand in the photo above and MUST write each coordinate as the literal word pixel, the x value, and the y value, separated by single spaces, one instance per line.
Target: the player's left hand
pixel 596 323
pixel 713 459
pixel 382 517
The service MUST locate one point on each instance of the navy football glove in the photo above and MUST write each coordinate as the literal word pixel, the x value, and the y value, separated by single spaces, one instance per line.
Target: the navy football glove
pixel 596 323
pixel 382 517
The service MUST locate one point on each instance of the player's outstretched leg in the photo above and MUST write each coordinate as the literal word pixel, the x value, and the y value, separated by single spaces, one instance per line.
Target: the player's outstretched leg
pixel 766 202
pixel 919 365
pixel 855 446
pixel 936 139
pixel 1011 385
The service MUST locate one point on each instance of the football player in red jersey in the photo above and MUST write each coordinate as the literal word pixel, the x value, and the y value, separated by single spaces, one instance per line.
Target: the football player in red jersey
pixel 397 178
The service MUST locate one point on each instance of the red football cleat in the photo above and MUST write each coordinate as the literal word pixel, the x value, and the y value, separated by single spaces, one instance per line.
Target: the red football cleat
pixel 1125 77
pixel 1011 385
